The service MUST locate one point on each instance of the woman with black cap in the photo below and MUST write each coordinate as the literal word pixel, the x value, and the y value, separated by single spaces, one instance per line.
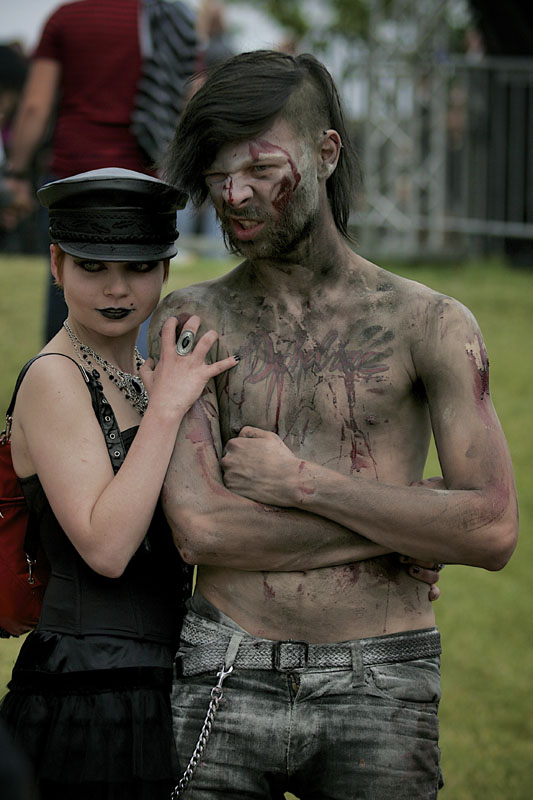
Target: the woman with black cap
pixel 88 699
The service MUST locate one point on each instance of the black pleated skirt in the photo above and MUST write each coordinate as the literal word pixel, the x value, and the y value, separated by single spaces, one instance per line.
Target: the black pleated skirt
pixel 96 734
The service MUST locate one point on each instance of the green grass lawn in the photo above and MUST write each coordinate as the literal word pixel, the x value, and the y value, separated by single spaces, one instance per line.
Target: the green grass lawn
pixel 484 618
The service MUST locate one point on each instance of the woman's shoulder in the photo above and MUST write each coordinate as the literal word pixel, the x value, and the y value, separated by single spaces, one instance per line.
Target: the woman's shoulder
pixel 49 364
pixel 50 378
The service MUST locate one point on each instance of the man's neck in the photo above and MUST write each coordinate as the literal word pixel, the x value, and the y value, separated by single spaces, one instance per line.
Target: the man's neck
pixel 315 264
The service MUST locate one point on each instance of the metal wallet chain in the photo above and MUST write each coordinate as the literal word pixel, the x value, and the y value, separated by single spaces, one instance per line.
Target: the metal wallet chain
pixel 216 696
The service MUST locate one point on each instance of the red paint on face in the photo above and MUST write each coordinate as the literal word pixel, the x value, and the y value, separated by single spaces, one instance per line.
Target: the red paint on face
pixel 264 146
pixel 284 195
pixel 228 185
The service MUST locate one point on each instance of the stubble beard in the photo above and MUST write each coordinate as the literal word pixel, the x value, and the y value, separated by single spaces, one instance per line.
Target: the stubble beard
pixel 281 236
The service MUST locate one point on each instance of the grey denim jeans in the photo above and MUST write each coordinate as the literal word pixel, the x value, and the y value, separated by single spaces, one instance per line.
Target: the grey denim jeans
pixel 366 733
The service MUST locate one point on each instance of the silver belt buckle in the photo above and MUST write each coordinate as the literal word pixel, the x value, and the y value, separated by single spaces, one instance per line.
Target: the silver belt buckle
pixel 298 660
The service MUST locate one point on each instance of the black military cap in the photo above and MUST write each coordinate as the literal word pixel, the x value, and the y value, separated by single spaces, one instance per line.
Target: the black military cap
pixel 113 214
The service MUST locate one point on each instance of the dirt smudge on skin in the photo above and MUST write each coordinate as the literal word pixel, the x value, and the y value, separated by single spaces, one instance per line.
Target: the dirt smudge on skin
pixel 262 509
pixel 355 431
pixel 477 354
pixel 182 319
pixel 268 591
pixel 347 574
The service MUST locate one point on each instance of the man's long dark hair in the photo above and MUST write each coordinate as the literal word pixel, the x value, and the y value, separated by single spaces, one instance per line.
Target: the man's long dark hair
pixel 240 99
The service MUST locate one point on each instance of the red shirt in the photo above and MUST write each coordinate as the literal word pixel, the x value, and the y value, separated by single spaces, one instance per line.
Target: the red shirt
pixel 96 43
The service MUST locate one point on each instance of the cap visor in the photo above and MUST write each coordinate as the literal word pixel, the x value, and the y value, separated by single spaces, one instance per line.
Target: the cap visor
pixel 119 252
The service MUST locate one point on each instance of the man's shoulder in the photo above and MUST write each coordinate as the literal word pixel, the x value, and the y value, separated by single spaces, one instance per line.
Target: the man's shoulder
pixel 188 296
pixel 387 280
pixel 206 294
pixel 431 301
pixel 419 309
pixel 208 299
pixel 406 293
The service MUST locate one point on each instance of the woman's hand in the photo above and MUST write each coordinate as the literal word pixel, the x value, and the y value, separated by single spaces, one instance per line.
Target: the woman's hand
pixel 425 571
pixel 178 380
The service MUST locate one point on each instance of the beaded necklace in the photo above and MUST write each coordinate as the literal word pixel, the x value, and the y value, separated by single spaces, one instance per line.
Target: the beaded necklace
pixel 130 385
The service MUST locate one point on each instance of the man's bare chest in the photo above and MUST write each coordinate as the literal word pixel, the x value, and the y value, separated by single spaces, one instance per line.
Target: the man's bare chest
pixel 334 389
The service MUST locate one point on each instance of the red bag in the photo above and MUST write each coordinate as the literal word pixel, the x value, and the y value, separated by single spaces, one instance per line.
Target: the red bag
pixel 23 569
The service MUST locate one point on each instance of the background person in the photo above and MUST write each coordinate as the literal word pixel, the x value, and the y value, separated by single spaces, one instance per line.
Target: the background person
pixel 13 72
pixel 89 696
pixel 82 85
pixel 301 464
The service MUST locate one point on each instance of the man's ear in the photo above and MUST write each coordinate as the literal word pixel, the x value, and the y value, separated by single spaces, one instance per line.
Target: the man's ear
pixel 330 150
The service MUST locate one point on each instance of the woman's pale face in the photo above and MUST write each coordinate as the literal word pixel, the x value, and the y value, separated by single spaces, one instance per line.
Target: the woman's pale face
pixel 109 297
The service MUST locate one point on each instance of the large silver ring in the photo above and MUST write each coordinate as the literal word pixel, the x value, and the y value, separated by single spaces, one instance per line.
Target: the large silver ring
pixel 185 343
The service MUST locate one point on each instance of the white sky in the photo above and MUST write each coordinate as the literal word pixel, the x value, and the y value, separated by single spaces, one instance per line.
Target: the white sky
pixel 22 20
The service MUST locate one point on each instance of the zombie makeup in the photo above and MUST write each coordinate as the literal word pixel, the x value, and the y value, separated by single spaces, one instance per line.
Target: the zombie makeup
pixel 265 192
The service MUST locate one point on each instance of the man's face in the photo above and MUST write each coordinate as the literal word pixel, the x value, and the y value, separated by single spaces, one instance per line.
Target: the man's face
pixel 265 191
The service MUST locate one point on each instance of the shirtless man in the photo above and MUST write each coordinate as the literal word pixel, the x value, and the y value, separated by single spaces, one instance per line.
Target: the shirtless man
pixel 292 484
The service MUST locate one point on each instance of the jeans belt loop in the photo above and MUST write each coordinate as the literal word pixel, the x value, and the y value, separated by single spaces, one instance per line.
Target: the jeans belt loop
pixel 231 652
pixel 358 674
pixel 277 656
